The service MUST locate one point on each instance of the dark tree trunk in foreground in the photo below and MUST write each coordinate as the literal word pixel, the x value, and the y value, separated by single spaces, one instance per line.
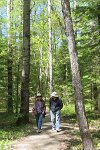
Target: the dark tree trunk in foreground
pixel 26 65
pixel 83 126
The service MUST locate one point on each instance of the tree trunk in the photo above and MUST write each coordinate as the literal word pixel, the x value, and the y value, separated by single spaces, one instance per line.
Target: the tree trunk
pixel 9 59
pixel 80 111
pixel 99 98
pixel 19 55
pixel 40 74
pixel 26 65
pixel 17 88
pixel 95 96
pixel 50 45
pixel 98 9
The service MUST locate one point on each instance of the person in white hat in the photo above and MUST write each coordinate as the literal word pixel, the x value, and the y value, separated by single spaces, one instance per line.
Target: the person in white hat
pixel 55 105
pixel 39 110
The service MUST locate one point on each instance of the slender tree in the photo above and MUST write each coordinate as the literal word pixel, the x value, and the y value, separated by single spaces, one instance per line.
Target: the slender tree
pixel 79 100
pixel 40 74
pixel 26 64
pixel 19 55
pixel 50 45
pixel 98 7
pixel 9 59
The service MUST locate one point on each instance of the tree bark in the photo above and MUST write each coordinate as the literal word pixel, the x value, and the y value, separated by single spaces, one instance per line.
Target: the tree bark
pixel 99 98
pixel 98 9
pixel 50 45
pixel 26 65
pixel 17 88
pixel 9 59
pixel 95 96
pixel 79 104
pixel 40 73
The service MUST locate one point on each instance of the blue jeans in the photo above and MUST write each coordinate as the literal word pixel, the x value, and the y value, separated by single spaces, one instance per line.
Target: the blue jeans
pixel 39 118
pixel 55 119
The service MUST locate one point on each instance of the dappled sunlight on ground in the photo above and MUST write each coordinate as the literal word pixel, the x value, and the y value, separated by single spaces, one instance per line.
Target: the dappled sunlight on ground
pixel 48 139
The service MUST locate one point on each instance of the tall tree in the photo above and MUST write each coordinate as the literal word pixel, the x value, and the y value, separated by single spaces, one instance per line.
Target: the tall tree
pixel 79 100
pixel 26 63
pixel 40 74
pixel 50 45
pixel 9 59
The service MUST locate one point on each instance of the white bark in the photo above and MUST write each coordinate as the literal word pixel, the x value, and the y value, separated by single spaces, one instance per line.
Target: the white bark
pixel 50 45
pixel 40 76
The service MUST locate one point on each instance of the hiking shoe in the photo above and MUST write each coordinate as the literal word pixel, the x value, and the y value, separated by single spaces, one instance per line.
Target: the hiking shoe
pixel 58 130
pixel 53 129
pixel 39 131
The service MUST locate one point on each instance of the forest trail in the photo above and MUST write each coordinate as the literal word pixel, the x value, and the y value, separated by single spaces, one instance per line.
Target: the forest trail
pixel 48 139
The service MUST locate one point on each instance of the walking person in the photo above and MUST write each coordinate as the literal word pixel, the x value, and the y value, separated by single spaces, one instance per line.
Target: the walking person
pixel 55 105
pixel 39 110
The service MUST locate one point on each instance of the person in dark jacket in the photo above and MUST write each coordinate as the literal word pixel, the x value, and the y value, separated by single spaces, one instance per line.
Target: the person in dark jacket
pixel 39 110
pixel 55 105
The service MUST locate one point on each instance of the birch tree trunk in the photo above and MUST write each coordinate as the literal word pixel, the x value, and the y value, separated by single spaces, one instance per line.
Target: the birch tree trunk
pixel 26 64
pixel 19 55
pixel 40 74
pixel 50 45
pixel 79 104
pixel 9 59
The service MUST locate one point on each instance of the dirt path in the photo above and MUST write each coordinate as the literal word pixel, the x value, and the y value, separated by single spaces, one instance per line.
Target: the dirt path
pixel 48 139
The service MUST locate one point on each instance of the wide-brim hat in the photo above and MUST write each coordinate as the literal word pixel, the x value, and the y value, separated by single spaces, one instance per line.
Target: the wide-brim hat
pixel 54 94
pixel 38 95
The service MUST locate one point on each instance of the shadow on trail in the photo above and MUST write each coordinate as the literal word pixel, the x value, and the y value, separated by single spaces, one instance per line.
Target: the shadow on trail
pixel 63 140
pixel 66 137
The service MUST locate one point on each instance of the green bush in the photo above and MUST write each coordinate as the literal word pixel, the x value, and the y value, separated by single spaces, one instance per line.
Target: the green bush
pixel 68 110
pixel 5 144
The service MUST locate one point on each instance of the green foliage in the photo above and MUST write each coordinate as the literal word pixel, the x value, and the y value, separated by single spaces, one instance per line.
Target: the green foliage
pixel 85 21
pixel 69 116
pixel 5 144
pixel 68 110
pixel 87 29
pixel 9 132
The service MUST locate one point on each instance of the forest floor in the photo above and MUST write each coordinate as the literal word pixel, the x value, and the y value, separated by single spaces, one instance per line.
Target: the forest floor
pixel 66 139
pixel 25 137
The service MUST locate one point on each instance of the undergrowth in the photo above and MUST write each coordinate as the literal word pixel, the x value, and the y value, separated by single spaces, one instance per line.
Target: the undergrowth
pixel 9 132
